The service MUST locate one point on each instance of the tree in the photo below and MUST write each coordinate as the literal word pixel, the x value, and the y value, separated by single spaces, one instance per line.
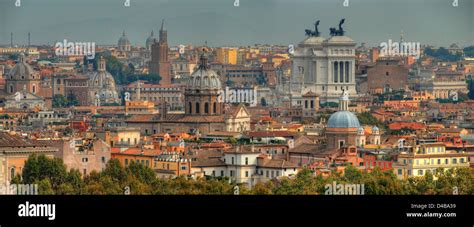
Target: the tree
pixel 59 101
pixel 72 100
pixel 38 168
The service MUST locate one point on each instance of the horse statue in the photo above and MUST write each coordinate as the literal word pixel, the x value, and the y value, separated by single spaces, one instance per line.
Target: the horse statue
pixel 308 32
pixel 341 30
pixel 316 31
pixel 337 32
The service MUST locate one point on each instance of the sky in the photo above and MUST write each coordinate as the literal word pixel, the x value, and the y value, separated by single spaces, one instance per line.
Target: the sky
pixel 220 23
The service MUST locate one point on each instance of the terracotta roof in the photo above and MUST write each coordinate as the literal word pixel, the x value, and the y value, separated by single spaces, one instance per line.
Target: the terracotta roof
pixel 138 152
pixel 208 162
pixel 410 125
pixel 271 134
pixel 202 119
pixel 276 163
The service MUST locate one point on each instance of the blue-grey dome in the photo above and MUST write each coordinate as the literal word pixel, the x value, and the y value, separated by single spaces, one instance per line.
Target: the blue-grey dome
pixel 343 119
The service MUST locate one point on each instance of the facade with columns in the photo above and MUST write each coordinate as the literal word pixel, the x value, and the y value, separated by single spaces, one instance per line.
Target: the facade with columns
pixel 324 66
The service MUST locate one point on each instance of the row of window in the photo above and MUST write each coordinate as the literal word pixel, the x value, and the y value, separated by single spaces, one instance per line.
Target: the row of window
pixel 420 172
pixel 143 162
pixel 432 162
pixel 430 150
pixel 267 173
pixel 198 107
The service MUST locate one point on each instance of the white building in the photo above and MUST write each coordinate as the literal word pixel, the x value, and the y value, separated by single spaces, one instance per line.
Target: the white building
pixel 244 167
pixel 324 66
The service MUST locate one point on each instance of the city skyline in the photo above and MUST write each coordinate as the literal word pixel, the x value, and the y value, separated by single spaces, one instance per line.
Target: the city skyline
pixel 220 23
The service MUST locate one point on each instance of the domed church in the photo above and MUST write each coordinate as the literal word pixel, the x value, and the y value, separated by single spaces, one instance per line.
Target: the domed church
pixel 343 126
pixel 202 91
pixel 124 43
pixel 102 86
pixel 22 77
pixel 204 111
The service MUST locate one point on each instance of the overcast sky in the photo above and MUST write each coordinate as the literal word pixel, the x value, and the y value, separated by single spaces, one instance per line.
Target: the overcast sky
pixel 219 22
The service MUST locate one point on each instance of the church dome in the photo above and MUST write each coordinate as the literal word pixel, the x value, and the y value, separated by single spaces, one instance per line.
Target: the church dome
pixel 23 71
pixel 123 41
pixel 204 78
pixel 150 40
pixel 343 119
pixel 102 83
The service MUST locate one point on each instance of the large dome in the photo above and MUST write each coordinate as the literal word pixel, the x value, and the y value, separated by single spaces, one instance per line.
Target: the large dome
pixel 23 71
pixel 123 40
pixel 204 78
pixel 343 119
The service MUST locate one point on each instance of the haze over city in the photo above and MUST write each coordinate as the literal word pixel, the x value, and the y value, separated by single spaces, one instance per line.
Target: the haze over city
pixel 220 23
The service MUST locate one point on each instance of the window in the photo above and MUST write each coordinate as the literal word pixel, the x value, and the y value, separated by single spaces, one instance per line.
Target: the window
pixel 439 161
pixel 246 173
pixel 215 107
pixel 232 161
pixel 232 173
pixel 246 161
pixel 446 161
pixel 126 162
pixel 222 173
pixel 461 160
pixel 213 173
pixel 190 107
pixel 103 159
pixel 399 171
pixel 386 73
pixel 455 161
pixel 306 104
pixel 420 172
pixel 206 107
pixel 197 108
pixel 409 172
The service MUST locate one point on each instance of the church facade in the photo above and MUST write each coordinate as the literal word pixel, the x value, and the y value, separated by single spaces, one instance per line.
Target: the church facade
pixel 325 66
pixel 204 112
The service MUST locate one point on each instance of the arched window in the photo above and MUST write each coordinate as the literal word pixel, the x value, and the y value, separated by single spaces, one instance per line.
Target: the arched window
pixel 215 108
pixel 190 108
pixel 34 89
pixel 197 108
pixel 206 107
pixel 11 88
